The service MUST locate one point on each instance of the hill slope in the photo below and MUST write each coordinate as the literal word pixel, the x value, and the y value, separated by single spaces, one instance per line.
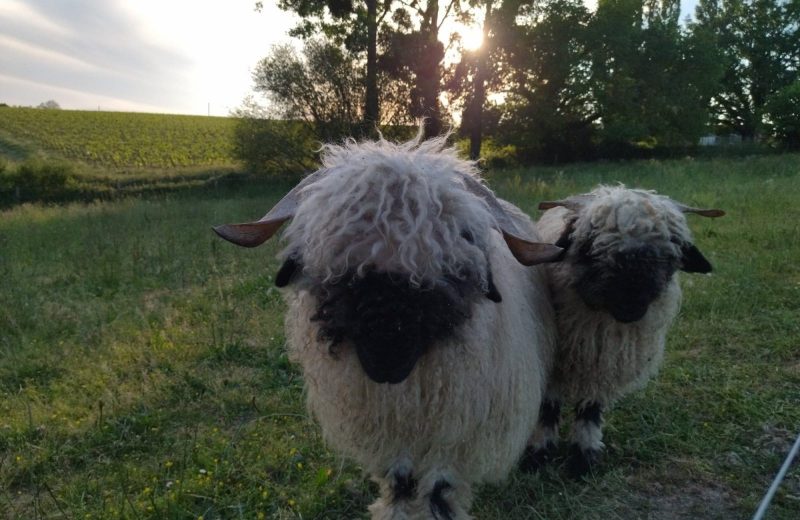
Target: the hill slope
pixel 116 139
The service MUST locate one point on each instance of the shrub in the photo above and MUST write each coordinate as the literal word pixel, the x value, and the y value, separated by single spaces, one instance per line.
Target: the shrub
pixel 36 180
pixel 783 109
pixel 271 147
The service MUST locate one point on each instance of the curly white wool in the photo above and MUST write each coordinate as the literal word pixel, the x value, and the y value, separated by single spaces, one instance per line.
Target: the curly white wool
pixel 617 217
pixel 397 207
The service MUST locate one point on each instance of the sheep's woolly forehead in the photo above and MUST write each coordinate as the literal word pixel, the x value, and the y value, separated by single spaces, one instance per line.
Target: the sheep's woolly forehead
pixel 391 207
pixel 618 218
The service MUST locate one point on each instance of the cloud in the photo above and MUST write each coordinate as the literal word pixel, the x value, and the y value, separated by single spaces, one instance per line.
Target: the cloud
pixel 89 47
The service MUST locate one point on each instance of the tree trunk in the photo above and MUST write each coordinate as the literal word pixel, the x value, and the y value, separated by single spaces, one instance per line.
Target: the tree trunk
pixel 479 90
pixel 371 106
pixel 428 73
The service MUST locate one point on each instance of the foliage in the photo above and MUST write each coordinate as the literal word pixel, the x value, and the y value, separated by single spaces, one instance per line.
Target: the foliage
pixel 547 114
pixel 323 87
pixel 759 43
pixel 273 147
pixel 610 83
pixel 783 110
pixel 144 373
pixel 121 140
pixel 649 79
pixel 37 179
pixel 51 105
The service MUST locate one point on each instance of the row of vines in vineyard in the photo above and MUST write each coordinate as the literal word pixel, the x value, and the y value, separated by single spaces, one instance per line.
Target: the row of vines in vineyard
pixel 122 140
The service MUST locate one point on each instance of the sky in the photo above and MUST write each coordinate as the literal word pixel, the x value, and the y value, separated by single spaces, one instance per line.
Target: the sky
pixel 164 56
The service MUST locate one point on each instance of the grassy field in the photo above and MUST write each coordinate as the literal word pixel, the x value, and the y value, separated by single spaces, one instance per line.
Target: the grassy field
pixel 108 155
pixel 143 372
pixel 116 139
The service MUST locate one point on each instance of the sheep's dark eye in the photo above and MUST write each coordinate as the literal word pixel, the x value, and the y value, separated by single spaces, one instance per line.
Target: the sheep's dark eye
pixel 467 235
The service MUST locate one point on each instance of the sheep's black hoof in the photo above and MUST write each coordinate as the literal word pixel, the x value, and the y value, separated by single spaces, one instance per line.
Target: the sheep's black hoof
pixel 535 458
pixel 440 509
pixel 582 463
pixel 404 487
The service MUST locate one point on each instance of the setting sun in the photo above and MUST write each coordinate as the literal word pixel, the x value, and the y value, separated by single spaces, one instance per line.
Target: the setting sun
pixel 471 36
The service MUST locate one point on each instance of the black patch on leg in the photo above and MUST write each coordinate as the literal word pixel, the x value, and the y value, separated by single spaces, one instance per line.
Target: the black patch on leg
pixel 534 459
pixel 439 506
pixel 592 412
pixel 581 463
pixel 549 413
pixel 403 487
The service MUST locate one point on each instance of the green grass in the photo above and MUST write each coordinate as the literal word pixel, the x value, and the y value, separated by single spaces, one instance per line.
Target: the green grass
pixel 116 140
pixel 143 372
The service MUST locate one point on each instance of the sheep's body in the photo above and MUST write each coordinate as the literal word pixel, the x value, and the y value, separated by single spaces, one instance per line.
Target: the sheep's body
pixel 615 295
pixel 600 359
pixel 462 416
pixel 390 243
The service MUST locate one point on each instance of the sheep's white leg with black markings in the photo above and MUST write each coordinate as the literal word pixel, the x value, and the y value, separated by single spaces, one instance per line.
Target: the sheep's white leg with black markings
pixel 543 444
pixel 587 438
pixel 443 495
pixel 397 492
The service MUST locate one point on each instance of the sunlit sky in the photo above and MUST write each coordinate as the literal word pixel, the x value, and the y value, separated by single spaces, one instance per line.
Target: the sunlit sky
pixel 171 56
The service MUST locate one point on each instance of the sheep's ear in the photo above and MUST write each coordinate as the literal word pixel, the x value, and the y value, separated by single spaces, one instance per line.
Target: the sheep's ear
pixel 287 271
pixel 525 251
pixel 564 240
pixel 531 253
pixel 252 234
pixel 492 293
pixel 573 203
pixel 711 213
pixel 693 260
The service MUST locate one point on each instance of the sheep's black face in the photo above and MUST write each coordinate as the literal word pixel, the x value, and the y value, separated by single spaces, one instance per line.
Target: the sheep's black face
pixel 626 284
pixel 390 322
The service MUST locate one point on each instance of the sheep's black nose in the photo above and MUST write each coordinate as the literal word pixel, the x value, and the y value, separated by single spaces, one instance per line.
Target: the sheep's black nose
pixel 629 313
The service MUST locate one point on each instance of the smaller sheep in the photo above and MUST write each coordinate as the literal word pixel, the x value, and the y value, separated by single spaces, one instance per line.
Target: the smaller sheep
pixel 616 294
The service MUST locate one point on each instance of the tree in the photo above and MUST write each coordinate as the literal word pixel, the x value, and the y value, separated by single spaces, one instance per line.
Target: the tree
pixel 548 113
pixel 650 80
pixel 323 87
pixel 471 79
pixel 267 145
pixel 414 54
pixel 759 45
pixel 783 116
pixel 346 22
pixel 50 105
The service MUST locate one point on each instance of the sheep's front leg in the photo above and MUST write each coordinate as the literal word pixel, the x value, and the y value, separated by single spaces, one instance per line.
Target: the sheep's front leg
pixel 587 438
pixel 398 489
pixel 543 444
pixel 442 495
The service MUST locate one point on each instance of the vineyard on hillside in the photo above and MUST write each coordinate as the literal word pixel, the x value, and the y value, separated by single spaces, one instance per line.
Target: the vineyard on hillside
pixel 118 139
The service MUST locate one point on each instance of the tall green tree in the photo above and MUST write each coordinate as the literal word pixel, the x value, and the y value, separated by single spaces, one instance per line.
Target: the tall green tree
pixel 548 113
pixel 783 116
pixel 651 81
pixel 759 45
pixel 322 87
pixel 354 25
pixel 414 53
pixel 473 75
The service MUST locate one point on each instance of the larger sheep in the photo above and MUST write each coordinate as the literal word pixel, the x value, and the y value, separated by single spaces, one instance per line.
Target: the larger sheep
pixel 615 294
pixel 423 339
